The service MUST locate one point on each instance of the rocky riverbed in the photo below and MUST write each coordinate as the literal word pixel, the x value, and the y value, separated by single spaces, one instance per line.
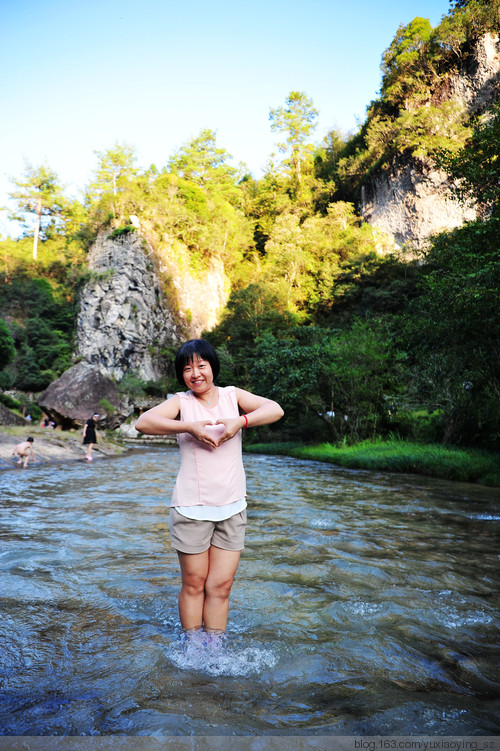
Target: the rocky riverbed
pixel 52 446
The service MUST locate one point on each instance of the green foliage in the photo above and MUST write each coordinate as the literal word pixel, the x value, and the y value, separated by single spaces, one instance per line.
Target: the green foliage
pixel 468 20
pixel 296 120
pixel 116 166
pixel 289 368
pixel 7 348
pixel 40 202
pixel 107 407
pixel 398 456
pixel 264 201
pixel 405 64
pixel 121 231
pixel 191 215
pixel 476 166
pixel 414 113
pixel 452 330
pixel 203 163
pixel 42 331
pixel 10 402
pixel 305 260
pixel 132 385
pixel 251 311
pixel 339 376
pixel 29 376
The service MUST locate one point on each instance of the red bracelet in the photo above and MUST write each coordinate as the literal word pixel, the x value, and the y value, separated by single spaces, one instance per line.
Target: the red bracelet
pixel 246 421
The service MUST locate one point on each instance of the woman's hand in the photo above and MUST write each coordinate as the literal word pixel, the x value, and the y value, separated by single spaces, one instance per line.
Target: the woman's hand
pixel 232 425
pixel 203 431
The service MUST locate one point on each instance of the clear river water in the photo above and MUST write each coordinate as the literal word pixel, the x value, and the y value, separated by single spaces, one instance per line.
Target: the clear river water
pixel 365 604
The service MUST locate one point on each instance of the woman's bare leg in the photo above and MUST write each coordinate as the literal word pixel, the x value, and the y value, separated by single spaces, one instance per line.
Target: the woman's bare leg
pixel 194 571
pixel 222 567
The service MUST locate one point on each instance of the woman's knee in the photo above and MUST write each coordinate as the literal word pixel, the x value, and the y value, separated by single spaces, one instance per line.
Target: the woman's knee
pixel 193 583
pixel 218 587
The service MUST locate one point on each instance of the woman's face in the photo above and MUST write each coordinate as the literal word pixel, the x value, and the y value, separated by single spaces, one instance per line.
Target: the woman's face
pixel 198 375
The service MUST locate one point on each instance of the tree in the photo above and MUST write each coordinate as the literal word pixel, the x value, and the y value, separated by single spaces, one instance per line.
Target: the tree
pixel 201 161
pixel 327 155
pixel 340 377
pixel 476 167
pixel 405 64
pixel 40 195
pixel 7 348
pixel 114 164
pixel 453 333
pixel 297 120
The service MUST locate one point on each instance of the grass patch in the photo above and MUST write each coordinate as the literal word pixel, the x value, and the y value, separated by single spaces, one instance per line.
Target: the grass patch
pixel 464 465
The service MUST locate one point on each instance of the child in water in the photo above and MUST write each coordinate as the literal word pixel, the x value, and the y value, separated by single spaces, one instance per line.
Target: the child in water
pixel 24 449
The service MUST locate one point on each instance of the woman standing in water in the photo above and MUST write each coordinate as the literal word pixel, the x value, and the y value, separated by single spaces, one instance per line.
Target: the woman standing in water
pixel 89 435
pixel 208 511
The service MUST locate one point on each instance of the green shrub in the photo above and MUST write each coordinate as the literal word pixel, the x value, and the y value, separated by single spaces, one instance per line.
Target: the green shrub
pixel 107 407
pixel 10 402
pixel 120 231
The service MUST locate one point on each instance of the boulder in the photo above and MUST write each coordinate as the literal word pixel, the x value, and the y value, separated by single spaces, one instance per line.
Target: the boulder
pixel 78 393
pixel 7 417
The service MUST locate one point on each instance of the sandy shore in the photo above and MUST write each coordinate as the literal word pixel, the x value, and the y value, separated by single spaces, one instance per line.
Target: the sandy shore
pixel 52 446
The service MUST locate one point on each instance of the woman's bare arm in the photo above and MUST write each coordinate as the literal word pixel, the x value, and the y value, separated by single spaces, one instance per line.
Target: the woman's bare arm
pixel 163 420
pixel 258 409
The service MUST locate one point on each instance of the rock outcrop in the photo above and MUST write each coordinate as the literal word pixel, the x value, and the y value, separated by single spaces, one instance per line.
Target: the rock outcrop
pixel 7 417
pixel 201 297
pixel 410 199
pixel 477 86
pixel 78 393
pixel 123 320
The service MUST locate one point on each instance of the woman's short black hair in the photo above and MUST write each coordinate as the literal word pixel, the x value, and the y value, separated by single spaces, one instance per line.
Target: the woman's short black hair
pixel 193 348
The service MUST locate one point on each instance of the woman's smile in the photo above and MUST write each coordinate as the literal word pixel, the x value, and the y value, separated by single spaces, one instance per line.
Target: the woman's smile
pixel 198 376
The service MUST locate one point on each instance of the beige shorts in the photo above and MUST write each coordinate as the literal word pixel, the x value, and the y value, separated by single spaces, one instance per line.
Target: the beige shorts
pixel 196 536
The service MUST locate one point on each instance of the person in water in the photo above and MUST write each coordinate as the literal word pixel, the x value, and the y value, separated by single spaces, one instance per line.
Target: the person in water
pixel 89 435
pixel 208 510
pixel 24 450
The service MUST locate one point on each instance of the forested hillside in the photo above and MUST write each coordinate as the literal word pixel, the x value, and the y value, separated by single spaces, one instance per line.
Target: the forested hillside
pixel 355 337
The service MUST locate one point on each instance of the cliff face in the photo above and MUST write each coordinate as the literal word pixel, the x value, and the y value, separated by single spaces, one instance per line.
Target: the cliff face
pixel 410 199
pixel 125 315
pixel 199 298
pixel 122 314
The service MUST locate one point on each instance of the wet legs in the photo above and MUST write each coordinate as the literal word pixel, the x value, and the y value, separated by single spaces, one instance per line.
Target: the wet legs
pixel 206 583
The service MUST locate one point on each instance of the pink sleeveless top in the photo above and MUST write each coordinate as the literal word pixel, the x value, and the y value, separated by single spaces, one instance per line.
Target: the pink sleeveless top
pixel 209 476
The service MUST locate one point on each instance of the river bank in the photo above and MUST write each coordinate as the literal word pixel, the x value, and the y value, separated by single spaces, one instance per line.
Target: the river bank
pixel 53 446
pixel 433 460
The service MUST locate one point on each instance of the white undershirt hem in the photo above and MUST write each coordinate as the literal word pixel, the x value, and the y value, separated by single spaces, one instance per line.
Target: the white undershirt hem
pixel 212 513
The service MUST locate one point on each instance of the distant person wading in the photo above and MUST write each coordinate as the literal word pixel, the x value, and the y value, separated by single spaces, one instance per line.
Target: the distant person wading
pixel 208 510
pixel 89 435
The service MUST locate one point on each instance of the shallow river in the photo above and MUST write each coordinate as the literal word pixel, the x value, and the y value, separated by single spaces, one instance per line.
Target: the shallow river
pixel 365 604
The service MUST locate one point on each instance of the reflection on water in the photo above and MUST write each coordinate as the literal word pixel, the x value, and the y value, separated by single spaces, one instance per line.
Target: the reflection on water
pixel 365 603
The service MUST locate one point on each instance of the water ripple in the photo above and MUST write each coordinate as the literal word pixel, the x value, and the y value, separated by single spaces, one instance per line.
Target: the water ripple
pixel 364 604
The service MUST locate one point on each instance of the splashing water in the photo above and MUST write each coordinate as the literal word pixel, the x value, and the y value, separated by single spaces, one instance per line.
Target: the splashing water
pixel 215 655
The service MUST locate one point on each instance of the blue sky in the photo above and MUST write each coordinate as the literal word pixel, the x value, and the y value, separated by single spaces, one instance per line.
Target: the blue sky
pixel 81 76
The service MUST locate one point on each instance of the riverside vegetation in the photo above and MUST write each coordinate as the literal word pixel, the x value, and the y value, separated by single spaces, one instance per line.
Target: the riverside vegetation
pixel 357 340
